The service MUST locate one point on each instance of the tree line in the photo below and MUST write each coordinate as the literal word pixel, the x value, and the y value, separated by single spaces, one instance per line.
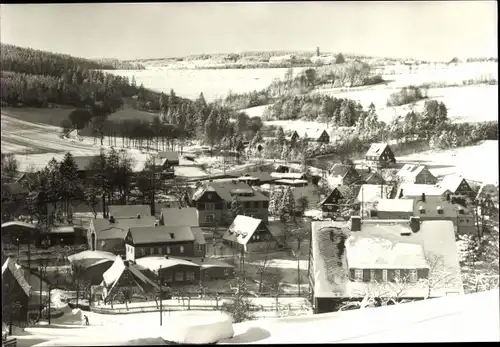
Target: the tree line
pixel 407 95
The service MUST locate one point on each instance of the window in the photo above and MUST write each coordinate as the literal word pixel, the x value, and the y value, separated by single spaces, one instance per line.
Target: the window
pixel 143 251
pixel 256 204
pixel 152 250
pixel 358 275
pixel 209 218
pixel 265 204
pixel 413 275
pixel 247 204
pixel 179 276
pixel 167 278
pixel 168 250
pixel 372 275
pixel 218 205
pixel 210 206
pixel 384 275
pixel 200 206
pixel 190 276
pixel 226 272
pixel 397 274
pixel 200 248
pixel 181 249
pixel 160 250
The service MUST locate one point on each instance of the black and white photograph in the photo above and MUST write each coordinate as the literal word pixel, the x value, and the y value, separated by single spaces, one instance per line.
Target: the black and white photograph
pixel 249 172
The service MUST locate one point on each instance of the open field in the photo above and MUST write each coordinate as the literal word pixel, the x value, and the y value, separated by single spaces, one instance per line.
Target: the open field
pixel 212 83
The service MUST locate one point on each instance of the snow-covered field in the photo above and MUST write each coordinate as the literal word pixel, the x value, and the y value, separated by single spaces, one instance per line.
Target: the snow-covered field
pixel 213 83
pixel 476 163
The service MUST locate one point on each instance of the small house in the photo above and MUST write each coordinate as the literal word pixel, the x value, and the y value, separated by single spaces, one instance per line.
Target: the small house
pixel 16 294
pixel 333 201
pixel 412 191
pixel 371 177
pixel 249 234
pixel 109 234
pixel 343 174
pixel 416 174
pixel 257 178
pixel 457 185
pixel 171 271
pixel 313 135
pixel 168 159
pixel 177 240
pixel 380 155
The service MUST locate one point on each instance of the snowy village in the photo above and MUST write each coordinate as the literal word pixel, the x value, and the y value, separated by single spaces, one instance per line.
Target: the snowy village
pixel 240 198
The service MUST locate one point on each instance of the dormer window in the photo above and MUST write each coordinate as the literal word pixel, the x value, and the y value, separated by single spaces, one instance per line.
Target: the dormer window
pixel 461 211
pixel 422 210
pixel 439 210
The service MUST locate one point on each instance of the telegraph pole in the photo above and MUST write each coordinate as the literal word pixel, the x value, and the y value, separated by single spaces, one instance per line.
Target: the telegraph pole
pixel 154 187
pixel 161 296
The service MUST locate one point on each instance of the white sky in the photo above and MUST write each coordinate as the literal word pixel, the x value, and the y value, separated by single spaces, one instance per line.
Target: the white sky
pixel 425 30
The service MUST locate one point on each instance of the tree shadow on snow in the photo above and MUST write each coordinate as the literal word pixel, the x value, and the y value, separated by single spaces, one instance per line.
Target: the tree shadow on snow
pixel 253 334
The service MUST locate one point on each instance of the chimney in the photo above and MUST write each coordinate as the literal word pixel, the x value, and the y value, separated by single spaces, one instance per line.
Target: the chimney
pixel 156 224
pixel 355 223
pixel 111 219
pixel 138 216
pixel 415 224
pixel 423 197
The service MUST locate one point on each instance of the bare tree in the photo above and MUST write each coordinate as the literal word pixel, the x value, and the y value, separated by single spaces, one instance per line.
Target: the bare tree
pixel 438 277
pixel 262 268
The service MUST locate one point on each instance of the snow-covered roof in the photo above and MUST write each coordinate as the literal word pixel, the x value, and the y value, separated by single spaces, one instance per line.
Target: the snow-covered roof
pixel 437 238
pixel 10 265
pixel 199 238
pixel 309 133
pixel 168 155
pixel 410 171
pixel 395 205
pixel 242 229
pixel 370 193
pixel 98 255
pixel 19 224
pixel 431 205
pixel 129 211
pixel 114 272
pixel 154 263
pixel 378 253
pixel 376 149
pixel 226 191
pixel 180 216
pixel 291 181
pixel 451 182
pixel 407 190
pixel 118 230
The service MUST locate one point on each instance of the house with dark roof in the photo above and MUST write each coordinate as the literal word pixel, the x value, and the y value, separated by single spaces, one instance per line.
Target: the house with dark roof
pixel 416 174
pixel 390 259
pixel 16 293
pixel 458 185
pixel 371 177
pixel 248 234
pixel 109 234
pixel 129 211
pixel 172 271
pixel 343 174
pixel 316 135
pixel 168 159
pixel 179 216
pixel 379 155
pixel 213 202
pixel 332 202
pixel 172 240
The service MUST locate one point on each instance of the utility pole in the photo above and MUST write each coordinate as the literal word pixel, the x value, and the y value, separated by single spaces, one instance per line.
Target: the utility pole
pixel 50 288
pixel 154 187
pixel 161 296
pixel 40 269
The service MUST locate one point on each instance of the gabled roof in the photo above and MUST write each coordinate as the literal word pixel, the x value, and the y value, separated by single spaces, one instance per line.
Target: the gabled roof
pixel 431 205
pixel 410 171
pixel 199 238
pixel 226 190
pixel 376 149
pixel 242 229
pixel 161 234
pixel 129 211
pixel 168 155
pixel 83 162
pixel 118 230
pixel 262 176
pixel 341 189
pixel 180 216
pixel 10 266
pixel 111 276
pixel 309 133
pixel 367 176
pixel 340 169
pixel 395 205
pixel 451 182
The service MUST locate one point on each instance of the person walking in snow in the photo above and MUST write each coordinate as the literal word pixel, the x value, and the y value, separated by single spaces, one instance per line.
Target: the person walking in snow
pixel 86 320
